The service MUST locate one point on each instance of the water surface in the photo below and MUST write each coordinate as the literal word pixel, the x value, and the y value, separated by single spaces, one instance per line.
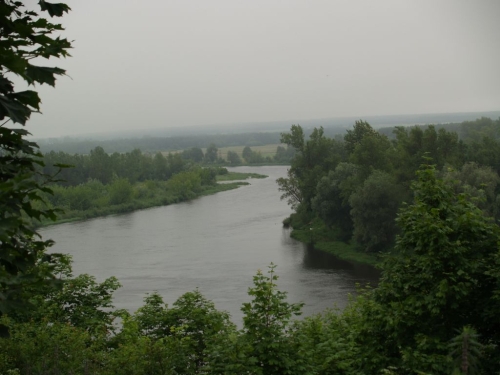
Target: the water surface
pixel 215 243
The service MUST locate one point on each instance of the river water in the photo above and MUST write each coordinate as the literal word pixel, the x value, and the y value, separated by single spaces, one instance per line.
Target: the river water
pixel 215 243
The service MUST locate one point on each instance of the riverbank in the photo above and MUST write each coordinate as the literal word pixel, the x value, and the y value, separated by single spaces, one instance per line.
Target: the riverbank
pixel 94 199
pixel 71 215
pixel 323 239
pixel 235 176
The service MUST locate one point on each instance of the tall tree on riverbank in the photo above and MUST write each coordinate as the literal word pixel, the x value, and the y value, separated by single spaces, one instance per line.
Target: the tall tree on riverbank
pixel 26 39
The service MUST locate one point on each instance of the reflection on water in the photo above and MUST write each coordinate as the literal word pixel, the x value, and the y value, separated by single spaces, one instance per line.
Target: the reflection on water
pixel 318 260
pixel 215 243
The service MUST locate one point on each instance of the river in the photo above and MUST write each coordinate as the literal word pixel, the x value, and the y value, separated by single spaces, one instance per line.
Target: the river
pixel 215 243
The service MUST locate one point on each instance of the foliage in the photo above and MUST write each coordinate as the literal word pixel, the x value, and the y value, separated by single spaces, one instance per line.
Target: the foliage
pixel 331 202
pixel 466 350
pixel 480 183
pixel 441 279
pixel 211 154
pixel 93 199
pixel 313 159
pixel 26 38
pixel 356 185
pixel 373 210
pixel 233 158
pixel 267 343
pixel 251 156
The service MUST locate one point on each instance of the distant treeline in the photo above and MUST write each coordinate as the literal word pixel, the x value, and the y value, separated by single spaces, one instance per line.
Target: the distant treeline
pixel 355 185
pixel 136 166
pixel 156 144
pixel 467 131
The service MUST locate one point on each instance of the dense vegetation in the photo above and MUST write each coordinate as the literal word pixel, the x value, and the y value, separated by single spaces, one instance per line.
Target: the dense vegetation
pixel 351 189
pixel 100 184
pixel 435 310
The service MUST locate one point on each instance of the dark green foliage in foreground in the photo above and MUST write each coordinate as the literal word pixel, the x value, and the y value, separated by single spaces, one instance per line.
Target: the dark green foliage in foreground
pixel 27 39
pixel 443 277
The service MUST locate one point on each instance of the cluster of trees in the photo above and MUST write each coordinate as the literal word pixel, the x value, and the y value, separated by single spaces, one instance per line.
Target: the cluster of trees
pixel 356 185
pixel 135 166
pixel 100 184
pixel 283 156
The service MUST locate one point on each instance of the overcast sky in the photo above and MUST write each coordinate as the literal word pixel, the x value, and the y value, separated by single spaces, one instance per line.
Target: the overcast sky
pixel 165 63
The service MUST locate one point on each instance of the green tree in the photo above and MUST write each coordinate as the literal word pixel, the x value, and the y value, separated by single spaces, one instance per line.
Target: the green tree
pixel 355 136
pixel 211 154
pixel 194 153
pixel 374 206
pixel 100 165
pixel 266 345
pixel 479 183
pixel 314 158
pixel 443 276
pixel 26 39
pixel 247 153
pixel 233 158
pixel 331 202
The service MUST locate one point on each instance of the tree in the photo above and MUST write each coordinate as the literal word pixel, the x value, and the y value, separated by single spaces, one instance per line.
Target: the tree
pixel 374 206
pixel 314 158
pixel 331 201
pixel 442 277
pixel 26 38
pixel 479 183
pixel 194 153
pixel 100 165
pixel 354 137
pixel 211 154
pixel 233 158
pixel 247 153
pixel 266 344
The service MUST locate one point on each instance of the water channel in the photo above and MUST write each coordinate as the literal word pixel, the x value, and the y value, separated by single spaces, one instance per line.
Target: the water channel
pixel 215 243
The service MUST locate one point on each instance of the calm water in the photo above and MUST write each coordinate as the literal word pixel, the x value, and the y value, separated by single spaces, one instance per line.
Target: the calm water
pixel 215 243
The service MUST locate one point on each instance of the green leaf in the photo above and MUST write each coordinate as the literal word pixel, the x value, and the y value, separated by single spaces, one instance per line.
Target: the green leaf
pixel 5 85
pixel 54 9
pixel 13 110
pixel 43 74
pixel 28 97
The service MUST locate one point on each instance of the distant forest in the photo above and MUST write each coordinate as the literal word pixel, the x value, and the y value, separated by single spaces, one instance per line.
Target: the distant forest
pixel 152 144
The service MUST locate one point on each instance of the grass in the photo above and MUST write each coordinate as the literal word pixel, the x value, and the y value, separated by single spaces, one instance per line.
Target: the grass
pixel 233 176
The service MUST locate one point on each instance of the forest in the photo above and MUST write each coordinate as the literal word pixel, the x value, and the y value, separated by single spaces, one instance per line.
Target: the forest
pixel 351 189
pixel 425 197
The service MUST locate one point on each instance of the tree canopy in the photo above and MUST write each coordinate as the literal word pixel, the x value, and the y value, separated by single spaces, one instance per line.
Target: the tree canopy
pixel 27 38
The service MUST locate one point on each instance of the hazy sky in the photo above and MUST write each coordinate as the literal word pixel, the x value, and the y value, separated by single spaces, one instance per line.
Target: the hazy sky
pixel 165 63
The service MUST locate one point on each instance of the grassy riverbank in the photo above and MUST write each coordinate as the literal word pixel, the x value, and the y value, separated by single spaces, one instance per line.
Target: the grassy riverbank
pixel 143 197
pixel 323 239
pixel 235 176
pixel 95 199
